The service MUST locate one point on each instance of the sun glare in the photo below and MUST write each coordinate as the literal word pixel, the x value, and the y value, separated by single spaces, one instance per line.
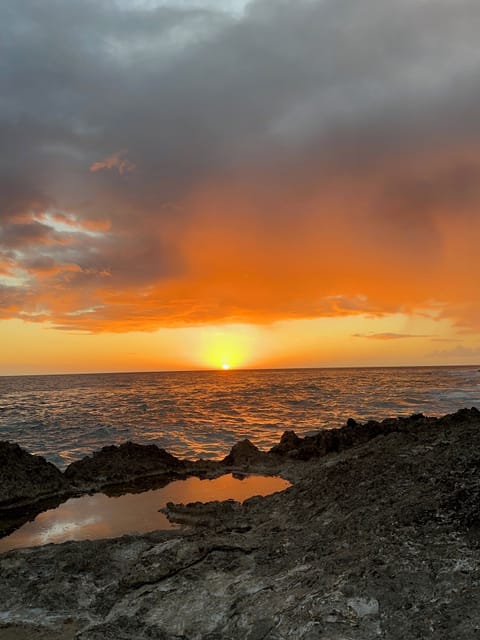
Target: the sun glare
pixel 226 348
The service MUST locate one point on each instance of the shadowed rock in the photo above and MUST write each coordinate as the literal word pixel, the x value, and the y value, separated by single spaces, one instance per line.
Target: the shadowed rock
pixel 354 434
pixel 244 454
pixel 26 478
pixel 289 443
pixel 119 464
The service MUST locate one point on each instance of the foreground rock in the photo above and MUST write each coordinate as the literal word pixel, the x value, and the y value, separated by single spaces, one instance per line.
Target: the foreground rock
pixel 379 540
pixel 27 479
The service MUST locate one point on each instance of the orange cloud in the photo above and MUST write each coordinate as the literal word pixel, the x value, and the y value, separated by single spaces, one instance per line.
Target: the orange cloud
pixel 274 189
pixel 117 160
pixel 400 238
pixel 390 335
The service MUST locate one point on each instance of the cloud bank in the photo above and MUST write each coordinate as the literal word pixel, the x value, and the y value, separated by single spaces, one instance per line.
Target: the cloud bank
pixel 168 164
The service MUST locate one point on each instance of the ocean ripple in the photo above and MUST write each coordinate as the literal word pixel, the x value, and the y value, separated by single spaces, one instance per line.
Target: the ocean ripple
pixel 202 414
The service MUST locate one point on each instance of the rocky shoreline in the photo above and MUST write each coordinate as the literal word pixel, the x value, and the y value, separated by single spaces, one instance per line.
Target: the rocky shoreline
pixel 379 537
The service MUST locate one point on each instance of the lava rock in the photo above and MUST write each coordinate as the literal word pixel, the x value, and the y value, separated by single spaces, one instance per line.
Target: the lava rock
pixel 243 454
pixel 375 540
pixel 121 464
pixel 288 442
pixel 26 478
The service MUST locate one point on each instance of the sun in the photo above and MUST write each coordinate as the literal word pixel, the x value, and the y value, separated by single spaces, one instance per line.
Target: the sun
pixel 226 347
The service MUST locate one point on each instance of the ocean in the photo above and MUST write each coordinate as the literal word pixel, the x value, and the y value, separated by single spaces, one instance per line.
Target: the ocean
pixel 203 413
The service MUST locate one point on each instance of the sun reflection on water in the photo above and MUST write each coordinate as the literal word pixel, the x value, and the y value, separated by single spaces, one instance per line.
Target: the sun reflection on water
pixel 100 516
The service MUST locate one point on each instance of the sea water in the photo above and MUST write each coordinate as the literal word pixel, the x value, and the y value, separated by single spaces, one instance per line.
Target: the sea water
pixel 203 413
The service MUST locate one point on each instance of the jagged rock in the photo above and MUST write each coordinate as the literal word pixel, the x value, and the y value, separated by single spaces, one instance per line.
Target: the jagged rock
pixel 288 442
pixel 120 464
pixel 379 540
pixel 350 435
pixel 26 478
pixel 244 453
pixel 462 415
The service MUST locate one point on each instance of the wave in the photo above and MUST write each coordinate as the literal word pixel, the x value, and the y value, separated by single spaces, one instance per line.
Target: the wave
pixel 202 415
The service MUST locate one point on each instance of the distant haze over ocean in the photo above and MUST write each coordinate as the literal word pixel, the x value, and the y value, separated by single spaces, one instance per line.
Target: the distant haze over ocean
pixel 203 413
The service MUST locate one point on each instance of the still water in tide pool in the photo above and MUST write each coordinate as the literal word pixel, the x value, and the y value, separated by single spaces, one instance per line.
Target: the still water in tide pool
pixel 99 516
pixel 203 413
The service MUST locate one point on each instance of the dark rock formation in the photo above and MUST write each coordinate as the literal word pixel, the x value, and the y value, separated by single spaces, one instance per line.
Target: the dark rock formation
pixel 25 478
pixel 244 454
pixel 288 445
pixel 380 540
pixel 120 464
pixel 351 435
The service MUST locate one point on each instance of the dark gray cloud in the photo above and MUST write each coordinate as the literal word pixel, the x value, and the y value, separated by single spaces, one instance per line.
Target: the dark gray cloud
pixel 354 122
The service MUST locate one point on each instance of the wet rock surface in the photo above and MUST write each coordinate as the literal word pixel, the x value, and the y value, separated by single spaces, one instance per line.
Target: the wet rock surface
pixel 378 540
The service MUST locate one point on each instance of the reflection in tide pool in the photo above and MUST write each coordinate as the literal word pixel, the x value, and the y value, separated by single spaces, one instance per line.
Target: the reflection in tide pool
pixel 100 516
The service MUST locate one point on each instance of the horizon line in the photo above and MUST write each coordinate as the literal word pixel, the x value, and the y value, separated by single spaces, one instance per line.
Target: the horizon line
pixel 242 369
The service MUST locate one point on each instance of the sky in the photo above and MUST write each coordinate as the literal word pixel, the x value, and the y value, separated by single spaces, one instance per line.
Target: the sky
pixel 203 183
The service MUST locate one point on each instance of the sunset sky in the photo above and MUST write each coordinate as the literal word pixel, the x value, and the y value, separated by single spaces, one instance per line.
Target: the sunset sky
pixel 195 183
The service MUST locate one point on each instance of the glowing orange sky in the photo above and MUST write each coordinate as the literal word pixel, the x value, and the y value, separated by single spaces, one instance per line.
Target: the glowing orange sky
pixel 251 185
